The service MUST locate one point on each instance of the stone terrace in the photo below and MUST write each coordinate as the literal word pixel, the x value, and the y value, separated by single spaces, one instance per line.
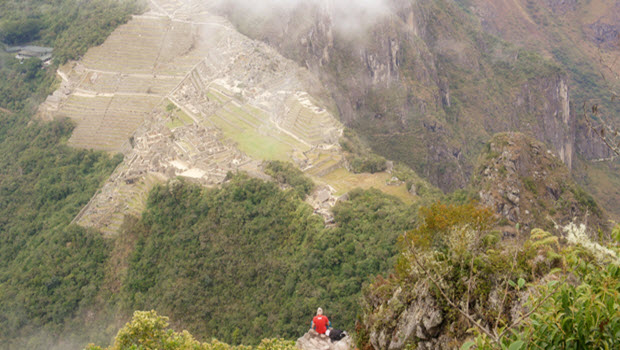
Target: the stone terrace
pixel 181 93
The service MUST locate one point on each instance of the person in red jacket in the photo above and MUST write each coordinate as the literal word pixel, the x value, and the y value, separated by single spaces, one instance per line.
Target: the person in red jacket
pixel 320 323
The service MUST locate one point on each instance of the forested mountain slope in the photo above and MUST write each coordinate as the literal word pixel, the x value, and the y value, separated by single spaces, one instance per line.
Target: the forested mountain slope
pixel 50 271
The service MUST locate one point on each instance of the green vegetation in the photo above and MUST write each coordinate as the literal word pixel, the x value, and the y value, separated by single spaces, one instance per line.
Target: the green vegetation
pixel 22 84
pixel 588 312
pixel 579 314
pixel 48 268
pixel 586 200
pixel 249 260
pixel 242 127
pixel 195 245
pixel 457 260
pixel 69 26
pixel 288 174
pixel 149 331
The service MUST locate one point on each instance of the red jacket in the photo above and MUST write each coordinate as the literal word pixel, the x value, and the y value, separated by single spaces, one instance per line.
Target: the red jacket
pixel 320 323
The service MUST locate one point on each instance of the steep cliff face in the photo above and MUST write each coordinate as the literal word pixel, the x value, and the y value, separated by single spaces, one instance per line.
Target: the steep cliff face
pixel 582 37
pixel 552 113
pixel 423 83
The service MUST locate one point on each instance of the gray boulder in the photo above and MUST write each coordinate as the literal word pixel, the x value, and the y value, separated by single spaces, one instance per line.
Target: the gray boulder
pixel 315 341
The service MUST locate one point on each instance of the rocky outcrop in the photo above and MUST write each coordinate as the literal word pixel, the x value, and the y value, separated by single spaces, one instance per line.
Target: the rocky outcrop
pixel 529 186
pixel 408 317
pixel 605 33
pixel 322 201
pixel 315 341
pixel 561 6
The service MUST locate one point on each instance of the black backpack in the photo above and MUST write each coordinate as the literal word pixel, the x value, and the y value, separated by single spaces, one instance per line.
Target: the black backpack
pixel 336 334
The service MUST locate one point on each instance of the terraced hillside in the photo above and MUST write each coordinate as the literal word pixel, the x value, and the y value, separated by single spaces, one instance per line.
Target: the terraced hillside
pixel 181 93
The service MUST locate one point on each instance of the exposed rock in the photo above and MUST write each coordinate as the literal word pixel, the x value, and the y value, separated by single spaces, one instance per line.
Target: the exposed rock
pixel 520 176
pixel 418 321
pixel 605 33
pixel 399 83
pixel 322 200
pixel 421 320
pixel 561 6
pixel 315 341
pixel 413 190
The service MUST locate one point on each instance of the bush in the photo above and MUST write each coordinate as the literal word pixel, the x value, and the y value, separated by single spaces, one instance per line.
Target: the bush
pixel 19 31
pixel 149 331
pixel 360 158
pixel 288 174
pixel 371 163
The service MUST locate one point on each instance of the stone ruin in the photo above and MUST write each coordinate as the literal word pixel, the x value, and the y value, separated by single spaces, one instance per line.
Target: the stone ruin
pixel 234 76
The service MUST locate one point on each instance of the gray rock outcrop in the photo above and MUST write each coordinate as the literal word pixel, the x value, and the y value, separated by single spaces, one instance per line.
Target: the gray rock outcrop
pixel 420 323
pixel 315 341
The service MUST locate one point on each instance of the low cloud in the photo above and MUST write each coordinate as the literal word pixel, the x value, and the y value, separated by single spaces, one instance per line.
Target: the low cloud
pixel 348 16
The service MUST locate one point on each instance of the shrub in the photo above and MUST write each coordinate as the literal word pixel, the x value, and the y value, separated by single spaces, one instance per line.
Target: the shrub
pixel 149 331
pixel 288 174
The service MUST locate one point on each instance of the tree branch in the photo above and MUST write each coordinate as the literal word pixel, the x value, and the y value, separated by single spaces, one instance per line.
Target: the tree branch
pixel 449 301
pixel 523 317
pixel 499 316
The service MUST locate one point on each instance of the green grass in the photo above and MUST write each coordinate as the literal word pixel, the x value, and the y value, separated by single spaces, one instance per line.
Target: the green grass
pixel 344 181
pixel 174 123
pixel 262 147
pixel 183 116
pixel 178 117
pixel 267 144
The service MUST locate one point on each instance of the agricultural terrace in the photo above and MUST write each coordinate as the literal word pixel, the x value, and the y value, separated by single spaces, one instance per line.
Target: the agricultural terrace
pixel 181 93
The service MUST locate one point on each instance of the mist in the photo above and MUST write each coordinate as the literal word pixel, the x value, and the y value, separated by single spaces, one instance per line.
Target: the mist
pixel 348 16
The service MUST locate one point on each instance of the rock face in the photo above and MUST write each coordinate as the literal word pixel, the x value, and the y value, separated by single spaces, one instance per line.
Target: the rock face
pixel 314 341
pixel 408 317
pixel 527 184
pixel 416 81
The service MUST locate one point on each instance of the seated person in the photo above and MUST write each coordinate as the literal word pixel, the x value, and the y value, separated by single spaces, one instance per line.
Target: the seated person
pixel 320 323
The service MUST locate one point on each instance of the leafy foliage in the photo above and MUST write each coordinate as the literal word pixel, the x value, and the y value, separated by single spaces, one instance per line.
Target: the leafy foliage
pixel 440 219
pixel 149 331
pixel 578 317
pixel 288 174
pixel 15 31
pixel 360 158
pixel 474 276
pixel 582 314
pixel 476 279
pixel 48 269
pixel 22 83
